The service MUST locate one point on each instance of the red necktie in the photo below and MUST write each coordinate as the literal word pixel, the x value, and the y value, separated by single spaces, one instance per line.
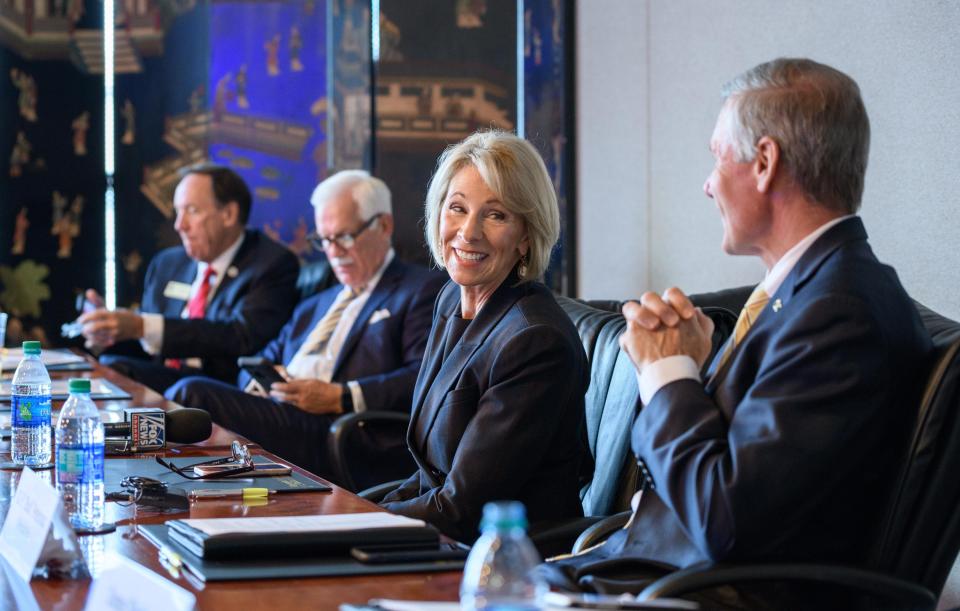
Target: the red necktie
pixel 196 307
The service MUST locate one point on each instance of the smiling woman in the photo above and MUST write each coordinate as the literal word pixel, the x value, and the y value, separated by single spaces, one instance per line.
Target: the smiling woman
pixel 491 418
pixel 482 240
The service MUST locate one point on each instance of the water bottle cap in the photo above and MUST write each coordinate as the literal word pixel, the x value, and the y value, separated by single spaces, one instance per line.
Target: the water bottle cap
pixel 79 385
pixel 504 515
pixel 32 347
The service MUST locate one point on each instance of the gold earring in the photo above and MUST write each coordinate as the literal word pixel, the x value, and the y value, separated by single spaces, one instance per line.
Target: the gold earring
pixel 522 268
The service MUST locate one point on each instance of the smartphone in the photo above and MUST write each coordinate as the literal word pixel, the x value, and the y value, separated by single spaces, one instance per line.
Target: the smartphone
pixel 73 328
pixel 261 370
pixel 259 470
pixel 84 305
pixel 406 552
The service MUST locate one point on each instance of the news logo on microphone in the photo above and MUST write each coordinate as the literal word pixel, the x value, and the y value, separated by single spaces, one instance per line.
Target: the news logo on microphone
pixel 147 428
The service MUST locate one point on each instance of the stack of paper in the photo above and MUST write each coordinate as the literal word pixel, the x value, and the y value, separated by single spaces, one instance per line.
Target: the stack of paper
pixel 50 358
pixel 296 536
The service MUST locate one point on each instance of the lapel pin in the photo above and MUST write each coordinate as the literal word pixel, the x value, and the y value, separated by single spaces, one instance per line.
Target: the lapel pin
pixel 232 271
pixel 777 304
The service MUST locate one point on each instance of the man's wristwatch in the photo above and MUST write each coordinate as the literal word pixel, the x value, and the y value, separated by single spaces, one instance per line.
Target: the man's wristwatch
pixel 346 399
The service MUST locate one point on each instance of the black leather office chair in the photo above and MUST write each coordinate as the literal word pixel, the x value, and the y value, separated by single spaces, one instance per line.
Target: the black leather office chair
pixel 917 542
pixel 611 398
pixel 314 277
pixel 367 452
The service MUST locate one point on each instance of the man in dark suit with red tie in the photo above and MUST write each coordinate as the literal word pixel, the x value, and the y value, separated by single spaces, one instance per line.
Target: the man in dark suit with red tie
pixel 223 293
pixel 353 347
pixel 784 451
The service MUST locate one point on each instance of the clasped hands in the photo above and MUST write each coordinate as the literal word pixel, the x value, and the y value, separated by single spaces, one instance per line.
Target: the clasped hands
pixel 668 325
pixel 309 395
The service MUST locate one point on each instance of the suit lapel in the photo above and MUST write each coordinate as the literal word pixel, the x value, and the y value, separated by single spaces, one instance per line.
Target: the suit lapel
pixel 431 392
pixel 842 233
pixel 446 305
pixel 185 273
pixel 300 334
pixel 847 231
pixel 238 263
pixel 388 283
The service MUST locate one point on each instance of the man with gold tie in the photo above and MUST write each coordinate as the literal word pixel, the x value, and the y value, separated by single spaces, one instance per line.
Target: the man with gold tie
pixel 224 292
pixel 784 450
pixel 353 347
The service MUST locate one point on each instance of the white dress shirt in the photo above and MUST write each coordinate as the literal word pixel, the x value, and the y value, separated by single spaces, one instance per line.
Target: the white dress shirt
pixel 672 368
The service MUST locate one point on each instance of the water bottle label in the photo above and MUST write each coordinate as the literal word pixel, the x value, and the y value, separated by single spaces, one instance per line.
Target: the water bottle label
pixel 30 410
pixel 80 465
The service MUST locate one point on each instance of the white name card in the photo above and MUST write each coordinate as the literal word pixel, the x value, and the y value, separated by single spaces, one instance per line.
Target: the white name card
pixel 23 597
pixel 26 533
pixel 124 585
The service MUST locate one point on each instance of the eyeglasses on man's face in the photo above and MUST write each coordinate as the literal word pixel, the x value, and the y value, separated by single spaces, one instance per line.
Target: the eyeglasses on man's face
pixel 344 240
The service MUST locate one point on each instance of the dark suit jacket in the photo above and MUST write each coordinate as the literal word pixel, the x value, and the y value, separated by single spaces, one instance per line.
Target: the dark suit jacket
pixel 786 453
pixel 383 356
pixel 501 417
pixel 247 309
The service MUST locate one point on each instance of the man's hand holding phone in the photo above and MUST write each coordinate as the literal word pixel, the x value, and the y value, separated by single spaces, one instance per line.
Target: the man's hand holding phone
pixel 263 374
pixel 103 328
pixel 87 301
pixel 311 396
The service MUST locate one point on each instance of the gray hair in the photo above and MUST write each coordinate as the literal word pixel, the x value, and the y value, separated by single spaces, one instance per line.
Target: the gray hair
pixel 371 194
pixel 816 116
pixel 516 174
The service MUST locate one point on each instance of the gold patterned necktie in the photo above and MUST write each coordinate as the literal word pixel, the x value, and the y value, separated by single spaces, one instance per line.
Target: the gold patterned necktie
pixel 322 333
pixel 748 315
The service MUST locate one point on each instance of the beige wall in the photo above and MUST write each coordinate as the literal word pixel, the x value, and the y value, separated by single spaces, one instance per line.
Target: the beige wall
pixel 648 79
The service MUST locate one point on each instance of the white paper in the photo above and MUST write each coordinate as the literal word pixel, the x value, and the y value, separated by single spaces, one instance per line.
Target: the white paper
pixel 124 584
pixel 420 605
pixel 13 356
pixel 314 523
pixel 62 549
pixel 413 605
pixel 61 387
pixel 28 522
pixel 20 589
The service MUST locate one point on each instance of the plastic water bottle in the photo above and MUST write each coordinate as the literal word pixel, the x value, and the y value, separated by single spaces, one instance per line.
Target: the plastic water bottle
pixel 499 574
pixel 30 409
pixel 80 457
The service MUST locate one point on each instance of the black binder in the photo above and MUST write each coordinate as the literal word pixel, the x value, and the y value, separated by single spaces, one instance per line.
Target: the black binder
pixel 293 544
pixel 245 567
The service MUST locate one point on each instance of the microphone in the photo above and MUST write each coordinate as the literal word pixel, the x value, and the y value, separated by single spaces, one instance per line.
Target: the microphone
pixel 147 429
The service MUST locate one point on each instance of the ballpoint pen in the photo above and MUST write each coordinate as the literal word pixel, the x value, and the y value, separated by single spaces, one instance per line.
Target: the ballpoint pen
pixel 244 493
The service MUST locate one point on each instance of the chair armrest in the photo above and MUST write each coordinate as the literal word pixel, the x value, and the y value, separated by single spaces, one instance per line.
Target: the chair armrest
pixel 905 594
pixel 340 431
pixel 600 531
pixel 556 537
pixel 375 494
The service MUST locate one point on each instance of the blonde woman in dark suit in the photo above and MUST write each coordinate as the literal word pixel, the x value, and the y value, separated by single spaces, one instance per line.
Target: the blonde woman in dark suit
pixel 498 405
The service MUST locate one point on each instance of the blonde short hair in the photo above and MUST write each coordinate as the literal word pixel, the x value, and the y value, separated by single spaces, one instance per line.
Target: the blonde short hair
pixel 516 174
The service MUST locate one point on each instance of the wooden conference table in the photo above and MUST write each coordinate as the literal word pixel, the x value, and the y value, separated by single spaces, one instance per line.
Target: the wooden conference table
pixel 275 595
